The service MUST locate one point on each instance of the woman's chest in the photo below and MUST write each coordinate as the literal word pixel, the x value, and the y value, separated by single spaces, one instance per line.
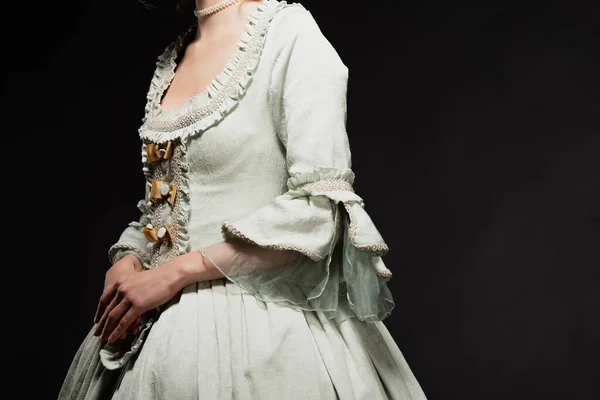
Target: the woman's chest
pixel 197 69
pixel 244 145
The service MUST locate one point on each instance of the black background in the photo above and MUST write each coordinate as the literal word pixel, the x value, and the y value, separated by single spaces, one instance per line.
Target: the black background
pixel 474 130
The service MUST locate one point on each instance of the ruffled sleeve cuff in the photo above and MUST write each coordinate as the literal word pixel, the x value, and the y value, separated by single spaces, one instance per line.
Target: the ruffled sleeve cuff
pixel 323 218
pixel 132 240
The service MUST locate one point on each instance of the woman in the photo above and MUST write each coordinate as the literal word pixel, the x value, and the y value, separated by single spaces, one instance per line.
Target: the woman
pixel 254 271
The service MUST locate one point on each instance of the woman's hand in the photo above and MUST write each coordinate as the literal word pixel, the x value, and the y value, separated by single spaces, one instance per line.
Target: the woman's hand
pixel 139 293
pixel 115 276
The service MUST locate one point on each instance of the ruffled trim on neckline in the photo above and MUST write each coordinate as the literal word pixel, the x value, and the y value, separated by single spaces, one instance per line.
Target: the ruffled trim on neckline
pixel 221 96
pixel 164 73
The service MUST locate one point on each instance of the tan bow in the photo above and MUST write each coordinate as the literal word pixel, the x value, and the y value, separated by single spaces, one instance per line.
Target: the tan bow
pixel 157 235
pixel 161 190
pixel 158 152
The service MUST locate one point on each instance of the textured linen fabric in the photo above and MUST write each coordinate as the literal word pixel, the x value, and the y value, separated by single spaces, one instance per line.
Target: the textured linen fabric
pixel 262 156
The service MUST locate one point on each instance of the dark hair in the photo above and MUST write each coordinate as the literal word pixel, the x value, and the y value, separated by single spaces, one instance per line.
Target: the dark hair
pixel 183 6
pixel 180 6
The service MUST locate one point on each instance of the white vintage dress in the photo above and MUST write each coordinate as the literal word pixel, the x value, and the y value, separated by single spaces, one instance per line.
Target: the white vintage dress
pixel 263 156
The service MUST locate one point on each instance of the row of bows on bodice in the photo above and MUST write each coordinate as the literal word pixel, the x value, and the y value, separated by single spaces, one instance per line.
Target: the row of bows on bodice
pixel 160 191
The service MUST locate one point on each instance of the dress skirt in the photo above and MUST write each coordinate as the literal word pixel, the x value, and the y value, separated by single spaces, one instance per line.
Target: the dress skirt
pixel 217 342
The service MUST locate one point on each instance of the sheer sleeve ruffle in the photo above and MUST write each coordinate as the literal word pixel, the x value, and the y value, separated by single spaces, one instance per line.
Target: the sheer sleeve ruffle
pixel 321 217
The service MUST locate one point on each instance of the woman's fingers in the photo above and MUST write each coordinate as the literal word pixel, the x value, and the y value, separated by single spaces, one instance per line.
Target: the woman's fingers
pixel 134 327
pixel 115 316
pixel 113 303
pixel 105 299
pixel 123 323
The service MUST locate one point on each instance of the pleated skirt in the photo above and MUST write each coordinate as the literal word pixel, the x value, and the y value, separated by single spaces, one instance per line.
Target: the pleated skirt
pixel 217 342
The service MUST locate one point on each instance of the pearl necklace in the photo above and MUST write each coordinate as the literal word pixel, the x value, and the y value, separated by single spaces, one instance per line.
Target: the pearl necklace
pixel 214 8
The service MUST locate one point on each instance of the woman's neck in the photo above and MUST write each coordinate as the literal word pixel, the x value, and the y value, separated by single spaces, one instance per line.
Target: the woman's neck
pixel 219 23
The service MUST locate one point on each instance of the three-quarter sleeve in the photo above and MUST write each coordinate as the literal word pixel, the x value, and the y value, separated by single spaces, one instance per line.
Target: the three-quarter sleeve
pixel 320 216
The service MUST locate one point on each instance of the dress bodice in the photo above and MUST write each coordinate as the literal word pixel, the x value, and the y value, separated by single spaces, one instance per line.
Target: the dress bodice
pixel 224 167
pixel 262 155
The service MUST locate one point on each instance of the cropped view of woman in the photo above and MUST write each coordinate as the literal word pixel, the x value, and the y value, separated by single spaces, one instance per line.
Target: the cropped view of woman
pixel 254 271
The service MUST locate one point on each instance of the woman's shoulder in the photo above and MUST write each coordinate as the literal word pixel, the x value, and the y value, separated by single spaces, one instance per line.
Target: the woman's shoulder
pixel 296 31
pixel 292 20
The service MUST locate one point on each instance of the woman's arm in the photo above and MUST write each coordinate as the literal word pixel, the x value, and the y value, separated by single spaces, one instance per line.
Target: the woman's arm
pixel 232 257
pixel 150 289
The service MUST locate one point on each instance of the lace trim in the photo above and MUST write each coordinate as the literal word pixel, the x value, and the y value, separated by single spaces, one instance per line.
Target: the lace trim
pixel 156 217
pixel 181 218
pixel 377 249
pixel 340 184
pixel 327 185
pixel 229 231
pixel 337 185
pixel 321 174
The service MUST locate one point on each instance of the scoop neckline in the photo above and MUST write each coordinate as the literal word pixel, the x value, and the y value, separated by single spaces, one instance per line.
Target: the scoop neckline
pixel 173 64
pixel 222 95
